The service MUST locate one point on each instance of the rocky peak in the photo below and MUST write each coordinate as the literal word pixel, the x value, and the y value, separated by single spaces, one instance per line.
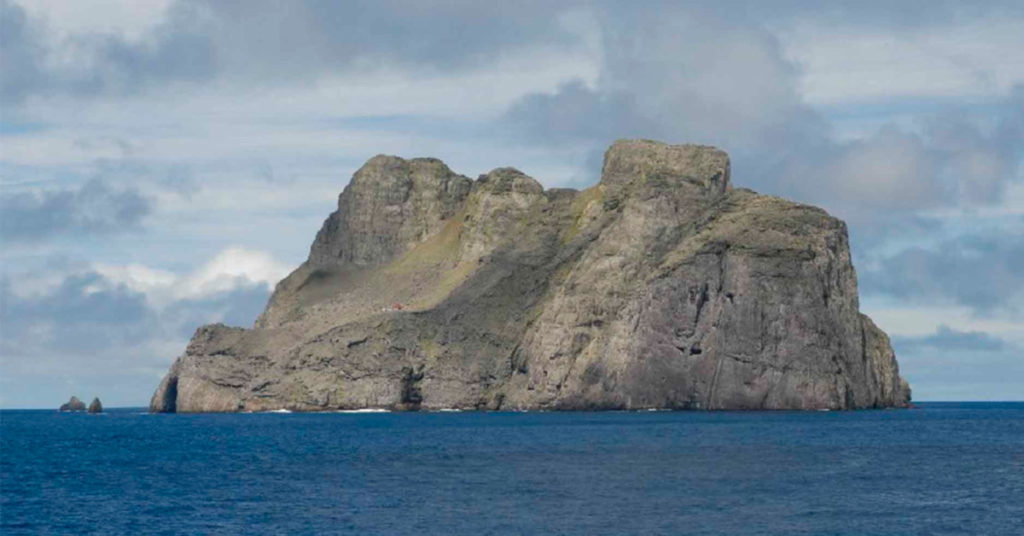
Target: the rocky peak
pixel 390 205
pixel 73 405
pixel 632 162
pixel 96 406
pixel 499 201
pixel 509 180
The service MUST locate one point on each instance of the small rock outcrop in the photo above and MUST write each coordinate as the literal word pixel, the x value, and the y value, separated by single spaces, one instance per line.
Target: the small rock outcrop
pixel 662 286
pixel 73 405
pixel 96 406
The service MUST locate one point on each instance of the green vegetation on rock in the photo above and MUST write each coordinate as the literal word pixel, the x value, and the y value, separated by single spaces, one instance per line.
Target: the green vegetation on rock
pixel 659 287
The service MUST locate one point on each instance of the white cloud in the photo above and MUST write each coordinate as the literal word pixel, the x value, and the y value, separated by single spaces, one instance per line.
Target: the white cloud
pixel 1010 204
pixel 100 335
pixel 223 273
pixel 138 277
pixel 944 370
pixel 919 321
pixel 884 170
pixel 979 59
pixel 232 268
pixel 130 18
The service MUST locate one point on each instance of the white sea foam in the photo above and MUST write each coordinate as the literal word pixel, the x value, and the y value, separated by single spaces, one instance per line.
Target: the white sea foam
pixel 365 410
pixel 280 411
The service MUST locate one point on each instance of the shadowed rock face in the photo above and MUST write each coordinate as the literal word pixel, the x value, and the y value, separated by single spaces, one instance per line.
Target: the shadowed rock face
pixel 96 406
pixel 660 287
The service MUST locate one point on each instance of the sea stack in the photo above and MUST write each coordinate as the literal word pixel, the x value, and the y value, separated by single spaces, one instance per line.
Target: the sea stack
pixel 661 286
pixel 73 405
pixel 95 406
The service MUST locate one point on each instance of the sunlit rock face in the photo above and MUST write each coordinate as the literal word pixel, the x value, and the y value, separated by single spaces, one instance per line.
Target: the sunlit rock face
pixel 661 286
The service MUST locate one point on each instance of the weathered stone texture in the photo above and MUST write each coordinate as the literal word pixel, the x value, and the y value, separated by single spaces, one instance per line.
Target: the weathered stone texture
pixel 660 287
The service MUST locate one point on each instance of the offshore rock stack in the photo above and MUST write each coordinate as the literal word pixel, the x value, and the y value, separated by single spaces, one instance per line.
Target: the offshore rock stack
pixel 73 405
pixel 662 286
pixel 77 405
pixel 95 406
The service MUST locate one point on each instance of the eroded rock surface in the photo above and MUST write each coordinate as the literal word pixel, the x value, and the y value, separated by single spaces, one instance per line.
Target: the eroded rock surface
pixel 660 287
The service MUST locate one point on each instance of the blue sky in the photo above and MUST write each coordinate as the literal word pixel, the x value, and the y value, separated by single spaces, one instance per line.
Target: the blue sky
pixel 164 162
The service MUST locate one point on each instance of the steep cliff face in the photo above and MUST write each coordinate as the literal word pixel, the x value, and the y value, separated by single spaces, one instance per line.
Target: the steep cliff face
pixel 660 287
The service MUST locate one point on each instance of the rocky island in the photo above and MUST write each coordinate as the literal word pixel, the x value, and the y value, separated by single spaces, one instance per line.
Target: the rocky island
pixel 96 406
pixel 662 286
pixel 74 404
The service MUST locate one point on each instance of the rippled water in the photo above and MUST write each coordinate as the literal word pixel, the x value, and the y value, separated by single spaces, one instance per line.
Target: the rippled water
pixel 937 469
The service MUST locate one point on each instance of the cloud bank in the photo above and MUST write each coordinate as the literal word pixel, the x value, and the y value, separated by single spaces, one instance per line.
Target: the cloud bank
pixel 122 321
pixel 93 208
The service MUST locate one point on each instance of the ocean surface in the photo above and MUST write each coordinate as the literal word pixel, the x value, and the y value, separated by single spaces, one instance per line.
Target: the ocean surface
pixel 941 468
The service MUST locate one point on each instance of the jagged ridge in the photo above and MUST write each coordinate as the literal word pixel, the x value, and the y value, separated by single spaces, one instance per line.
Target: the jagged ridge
pixel 660 287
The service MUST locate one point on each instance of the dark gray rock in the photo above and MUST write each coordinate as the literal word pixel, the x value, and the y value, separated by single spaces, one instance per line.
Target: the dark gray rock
pixel 660 287
pixel 73 405
pixel 96 406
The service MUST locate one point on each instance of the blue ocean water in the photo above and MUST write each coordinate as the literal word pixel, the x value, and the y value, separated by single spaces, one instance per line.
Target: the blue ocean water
pixel 937 469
